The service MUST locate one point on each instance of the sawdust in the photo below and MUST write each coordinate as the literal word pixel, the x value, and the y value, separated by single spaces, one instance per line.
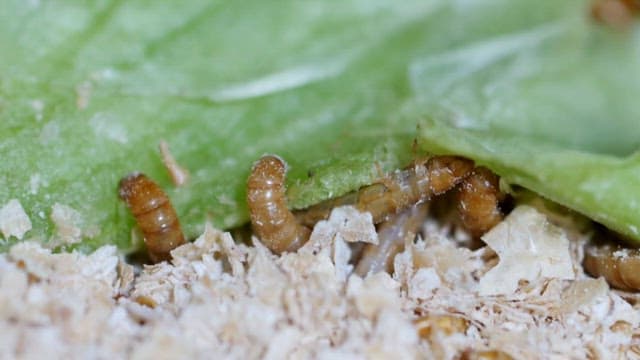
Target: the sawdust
pixel 222 299
pixel 13 220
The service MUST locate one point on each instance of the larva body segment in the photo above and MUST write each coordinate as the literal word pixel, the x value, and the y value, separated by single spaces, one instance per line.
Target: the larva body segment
pixel 392 235
pixel 620 267
pixel 154 215
pixel 479 200
pixel 397 191
pixel 271 219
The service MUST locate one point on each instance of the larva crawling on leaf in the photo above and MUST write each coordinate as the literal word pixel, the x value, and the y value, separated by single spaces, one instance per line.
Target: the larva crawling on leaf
pixel 154 215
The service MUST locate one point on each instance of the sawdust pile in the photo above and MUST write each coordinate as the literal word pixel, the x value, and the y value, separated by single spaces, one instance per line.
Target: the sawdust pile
pixel 222 299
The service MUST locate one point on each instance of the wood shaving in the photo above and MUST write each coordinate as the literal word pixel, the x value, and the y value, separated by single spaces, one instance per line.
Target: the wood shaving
pixel 179 175
pixel 13 220
pixel 221 299
pixel 68 222
pixel 530 248
pixel 345 223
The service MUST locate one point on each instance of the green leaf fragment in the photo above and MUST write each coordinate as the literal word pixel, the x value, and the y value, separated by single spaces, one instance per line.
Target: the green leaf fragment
pixel 337 88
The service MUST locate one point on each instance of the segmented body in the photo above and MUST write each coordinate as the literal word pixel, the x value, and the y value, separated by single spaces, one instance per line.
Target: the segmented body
pixel 620 267
pixel 397 191
pixel 271 219
pixel 479 200
pixel 281 230
pixel 154 215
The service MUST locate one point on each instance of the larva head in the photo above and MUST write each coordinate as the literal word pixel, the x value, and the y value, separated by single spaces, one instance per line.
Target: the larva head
pixel 267 173
pixel 140 193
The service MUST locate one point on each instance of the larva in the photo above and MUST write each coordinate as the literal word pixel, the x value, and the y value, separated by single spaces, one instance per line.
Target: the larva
pixel 619 266
pixel 271 219
pixel 281 230
pixel 479 198
pixel 154 215
pixel 397 191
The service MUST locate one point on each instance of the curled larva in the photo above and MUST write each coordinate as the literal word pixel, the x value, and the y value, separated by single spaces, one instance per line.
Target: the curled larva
pixel 154 215
pixel 397 191
pixel 479 198
pixel 620 267
pixel 392 235
pixel 271 219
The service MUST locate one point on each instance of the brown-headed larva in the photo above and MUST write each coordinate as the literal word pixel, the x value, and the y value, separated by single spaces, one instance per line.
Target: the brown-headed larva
pixel 271 219
pixel 154 215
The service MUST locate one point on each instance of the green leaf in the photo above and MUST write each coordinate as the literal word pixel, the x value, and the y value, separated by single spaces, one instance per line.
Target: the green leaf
pixel 337 88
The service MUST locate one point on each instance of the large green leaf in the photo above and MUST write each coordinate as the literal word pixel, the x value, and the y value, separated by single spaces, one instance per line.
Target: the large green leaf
pixel 338 88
